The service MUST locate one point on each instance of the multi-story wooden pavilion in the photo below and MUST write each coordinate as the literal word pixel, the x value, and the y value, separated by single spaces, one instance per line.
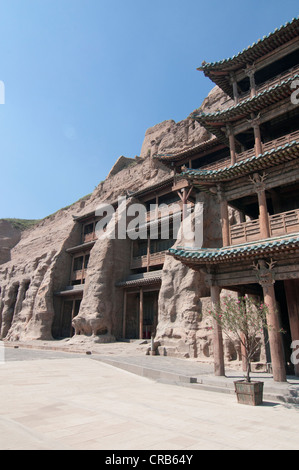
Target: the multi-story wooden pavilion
pixel 251 164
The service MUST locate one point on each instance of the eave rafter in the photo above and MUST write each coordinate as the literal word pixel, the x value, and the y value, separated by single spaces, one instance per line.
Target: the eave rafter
pixel 264 161
pixel 236 254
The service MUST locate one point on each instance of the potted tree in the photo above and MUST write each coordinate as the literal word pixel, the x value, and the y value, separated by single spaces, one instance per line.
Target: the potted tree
pixel 244 319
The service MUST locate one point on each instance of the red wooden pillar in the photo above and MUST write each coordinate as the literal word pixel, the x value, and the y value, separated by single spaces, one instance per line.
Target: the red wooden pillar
pixel 219 367
pixel 257 139
pixel 232 144
pixel 224 222
pixel 266 280
pixel 224 217
pixel 260 189
pixel 250 71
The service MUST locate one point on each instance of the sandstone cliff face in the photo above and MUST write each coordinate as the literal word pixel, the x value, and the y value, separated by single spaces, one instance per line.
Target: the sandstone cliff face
pixel 173 137
pixel 38 264
pixel 9 237
pixel 102 305
pixel 183 328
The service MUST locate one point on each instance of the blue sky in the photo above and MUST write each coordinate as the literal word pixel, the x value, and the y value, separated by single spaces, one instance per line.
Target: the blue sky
pixel 85 79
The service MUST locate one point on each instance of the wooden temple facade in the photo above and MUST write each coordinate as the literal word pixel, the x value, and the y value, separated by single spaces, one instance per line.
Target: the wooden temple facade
pixel 251 164
pixel 69 299
pixel 147 255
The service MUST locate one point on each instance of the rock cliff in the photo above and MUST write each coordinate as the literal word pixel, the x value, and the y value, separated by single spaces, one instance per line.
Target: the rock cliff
pixel 34 264
pixel 9 237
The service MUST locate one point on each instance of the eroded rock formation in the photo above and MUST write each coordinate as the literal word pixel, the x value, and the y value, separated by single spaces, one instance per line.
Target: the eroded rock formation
pixel 38 264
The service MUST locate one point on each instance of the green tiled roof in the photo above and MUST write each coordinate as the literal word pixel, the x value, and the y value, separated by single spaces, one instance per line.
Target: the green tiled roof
pixel 265 247
pixel 187 153
pixel 250 54
pixel 270 158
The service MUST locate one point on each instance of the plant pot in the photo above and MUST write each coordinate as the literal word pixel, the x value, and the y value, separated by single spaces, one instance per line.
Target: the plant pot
pixel 249 393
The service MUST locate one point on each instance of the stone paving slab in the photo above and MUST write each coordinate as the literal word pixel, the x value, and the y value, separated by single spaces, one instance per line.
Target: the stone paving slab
pixel 173 370
pixel 73 402
pixel 201 375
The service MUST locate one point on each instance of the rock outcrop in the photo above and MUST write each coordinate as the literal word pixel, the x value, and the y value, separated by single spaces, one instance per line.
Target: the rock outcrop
pixel 183 328
pixel 172 137
pixel 35 264
pixel 9 237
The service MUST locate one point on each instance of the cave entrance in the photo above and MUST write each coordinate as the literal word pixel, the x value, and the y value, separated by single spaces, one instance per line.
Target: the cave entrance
pixel 140 313
pixel 69 310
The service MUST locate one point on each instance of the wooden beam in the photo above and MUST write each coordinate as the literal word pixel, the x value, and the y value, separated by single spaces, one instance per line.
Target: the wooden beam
pixel 181 184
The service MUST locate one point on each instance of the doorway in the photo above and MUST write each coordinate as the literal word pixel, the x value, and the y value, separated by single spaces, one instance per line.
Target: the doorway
pixel 70 309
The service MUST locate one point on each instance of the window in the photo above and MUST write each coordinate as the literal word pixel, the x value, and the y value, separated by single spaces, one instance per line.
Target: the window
pixel 86 260
pixel 89 228
pixel 78 263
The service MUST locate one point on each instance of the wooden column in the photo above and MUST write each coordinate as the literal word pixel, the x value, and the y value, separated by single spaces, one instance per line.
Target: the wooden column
pixel 72 269
pixel 184 196
pixel 148 260
pixel 224 216
pixel 257 136
pixel 266 280
pixel 235 88
pixel 250 71
pixel 260 189
pixel 217 338
pixel 157 206
pixel 141 313
pixel 232 144
pixel 264 219
pixel 224 222
pixel 292 295
pixel 124 313
pixel 83 269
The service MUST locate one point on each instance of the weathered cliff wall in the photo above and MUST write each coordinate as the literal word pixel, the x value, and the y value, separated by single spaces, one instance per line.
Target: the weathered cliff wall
pixel 9 237
pixel 38 264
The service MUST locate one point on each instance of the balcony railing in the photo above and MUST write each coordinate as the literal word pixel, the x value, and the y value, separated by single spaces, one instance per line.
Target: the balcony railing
pixel 272 82
pixel 245 232
pixel 77 275
pixel 273 144
pixel 280 224
pixel 285 223
pixel 154 259
pixel 89 237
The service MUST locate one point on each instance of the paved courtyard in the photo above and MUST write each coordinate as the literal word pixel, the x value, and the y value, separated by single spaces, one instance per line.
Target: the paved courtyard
pixel 54 400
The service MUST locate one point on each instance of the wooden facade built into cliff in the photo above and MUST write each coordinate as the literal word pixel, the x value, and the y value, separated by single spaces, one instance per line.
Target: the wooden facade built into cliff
pixel 238 157
pixel 259 178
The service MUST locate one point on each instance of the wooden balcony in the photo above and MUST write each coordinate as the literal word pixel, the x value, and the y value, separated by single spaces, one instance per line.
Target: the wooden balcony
pixel 154 259
pixel 280 224
pixel 78 275
pixel 89 237
pixel 273 144
pixel 285 223
pixel 271 83
pixel 245 232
